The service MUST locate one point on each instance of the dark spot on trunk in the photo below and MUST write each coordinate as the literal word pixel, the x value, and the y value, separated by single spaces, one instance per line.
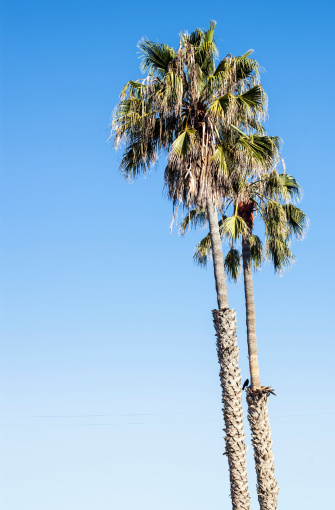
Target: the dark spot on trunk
pixel 246 212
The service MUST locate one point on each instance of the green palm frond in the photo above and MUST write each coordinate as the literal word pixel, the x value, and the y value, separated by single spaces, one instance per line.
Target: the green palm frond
pixel 256 250
pixel 271 186
pixel 209 34
pixel 156 57
pixel 296 219
pixel 232 264
pixel 259 150
pixel 255 126
pixel 224 158
pixel 135 160
pixel 127 111
pixel 279 252
pixel 274 217
pixel 291 185
pixel 203 251
pixel 183 143
pixel 206 51
pixel 174 85
pixel 220 106
pixel 141 153
pixel 235 227
pixel 246 67
pixel 198 37
pixel 223 71
pixel 252 102
pixel 253 99
pixel 280 186
pixel 195 37
pixel 195 218
pixel 132 89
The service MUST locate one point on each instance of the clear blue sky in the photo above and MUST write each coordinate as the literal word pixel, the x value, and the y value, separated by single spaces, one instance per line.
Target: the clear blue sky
pixel 109 382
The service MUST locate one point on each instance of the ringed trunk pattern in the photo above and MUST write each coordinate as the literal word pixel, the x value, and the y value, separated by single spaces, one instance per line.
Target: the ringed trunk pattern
pixel 230 375
pixel 267 488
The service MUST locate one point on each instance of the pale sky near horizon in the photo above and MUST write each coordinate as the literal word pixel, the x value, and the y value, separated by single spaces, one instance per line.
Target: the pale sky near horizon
pixel 109 383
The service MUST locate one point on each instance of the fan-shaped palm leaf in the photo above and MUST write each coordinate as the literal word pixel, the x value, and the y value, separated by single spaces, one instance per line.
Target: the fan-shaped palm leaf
pixel 232 264
pixel 155 57
pixel 279 252
pixel 256 250
pixel 235 227
pixel 291 185
pixel 203 251
pixel 296 220
pixel 195 218
pixel 182 144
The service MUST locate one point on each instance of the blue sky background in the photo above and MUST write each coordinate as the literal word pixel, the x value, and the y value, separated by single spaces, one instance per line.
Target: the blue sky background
pixel 109 381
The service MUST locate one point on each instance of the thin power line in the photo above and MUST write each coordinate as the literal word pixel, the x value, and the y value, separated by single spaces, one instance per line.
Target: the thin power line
pixel 146 422
pixel 187 413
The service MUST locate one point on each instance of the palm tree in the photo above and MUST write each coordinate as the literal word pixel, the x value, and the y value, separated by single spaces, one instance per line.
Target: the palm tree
pixel 270 196
pixel 186 107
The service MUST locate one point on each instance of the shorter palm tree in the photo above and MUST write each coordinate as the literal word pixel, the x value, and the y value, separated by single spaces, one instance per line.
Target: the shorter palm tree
pixel 270 196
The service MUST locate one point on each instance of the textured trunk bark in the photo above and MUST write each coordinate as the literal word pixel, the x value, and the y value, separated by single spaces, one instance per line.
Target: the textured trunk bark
pixel 267 488
pixel 230 376
pixel 250 312
pixel 257 399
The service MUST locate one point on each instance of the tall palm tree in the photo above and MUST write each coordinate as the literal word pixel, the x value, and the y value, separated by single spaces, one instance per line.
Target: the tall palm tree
pixel 185 107
pixel 270 196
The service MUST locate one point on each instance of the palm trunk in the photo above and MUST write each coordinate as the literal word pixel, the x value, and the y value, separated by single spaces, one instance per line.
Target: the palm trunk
pixel 257 399
pixel 230 375
pixel 219 274
pixel 251 316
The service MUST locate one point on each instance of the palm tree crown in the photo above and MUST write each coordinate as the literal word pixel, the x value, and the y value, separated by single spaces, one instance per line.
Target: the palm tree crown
pixel 206 117
pixel 270 197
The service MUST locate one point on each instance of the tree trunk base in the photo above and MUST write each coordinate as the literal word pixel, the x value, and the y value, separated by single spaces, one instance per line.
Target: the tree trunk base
pixel 230 377
pixel 267 488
